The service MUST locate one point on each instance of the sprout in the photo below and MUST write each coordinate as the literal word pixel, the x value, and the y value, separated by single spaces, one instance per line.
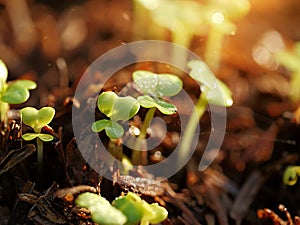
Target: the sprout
pixel 116 108
pixel 155 87
pixel 213 91
pixel 136 209
pixel 37 119
pixel 14 92
pixel 101 210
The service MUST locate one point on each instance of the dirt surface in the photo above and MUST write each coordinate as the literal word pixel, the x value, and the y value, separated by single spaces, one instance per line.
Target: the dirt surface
pixel 54 42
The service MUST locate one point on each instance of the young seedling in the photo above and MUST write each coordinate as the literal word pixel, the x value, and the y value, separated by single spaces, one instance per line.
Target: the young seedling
pixel 218 15
pixel 155 87
pixel 37 119
pixel 291 60
pixel 137 210
pixel 14 92
pixel 116 108
pixel 291 174
pixel 184 19
pixel 101 210
pixel 209 94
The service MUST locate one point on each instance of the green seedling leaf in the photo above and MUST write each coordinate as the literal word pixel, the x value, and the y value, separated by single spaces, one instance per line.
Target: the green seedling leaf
pixel 112 128
pixel 200 72
pixel 290 175
pixel 210 85
pixel 3 74
pixel 18 91
pixel 117 108
pixel 214 97
pixel 154 213
pixel 136 209
pixel 105 102
pixel 43 137
pixel 157 85
pixel 131 206
pixel 37 119
pixel 29 136
pixel 125 108
pixel 101 210
pixel 166 108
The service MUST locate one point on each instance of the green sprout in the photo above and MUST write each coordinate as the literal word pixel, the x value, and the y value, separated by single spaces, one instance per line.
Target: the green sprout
pixel 13 92
pixel 137 210
pixel 291 60
pixel 218 15
pixel 37 119
pixel 291 174
pixel 155 87
pixel 116 108
pixel 127 210
pixel 101 210
pixel 212 18
pixel 209 86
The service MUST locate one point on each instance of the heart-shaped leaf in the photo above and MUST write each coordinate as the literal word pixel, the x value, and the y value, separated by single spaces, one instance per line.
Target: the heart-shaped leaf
pixel 17 91
pixel 117 108
pixel 43 137
pixel 219 95
pixel 166 108
pixel 37 119
pixel 158 85
pixel 112 129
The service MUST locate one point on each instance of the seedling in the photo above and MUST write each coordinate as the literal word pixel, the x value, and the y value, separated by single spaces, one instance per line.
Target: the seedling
pixel 218 14
pixel 209 95
pixel 137 210
pixel 291 174
pixel 14 92
pixel 155 87
pixel 127 210
pixel 291 60
pixel 116 108
pixel 37 119
pixel 101 210
pixel 185 19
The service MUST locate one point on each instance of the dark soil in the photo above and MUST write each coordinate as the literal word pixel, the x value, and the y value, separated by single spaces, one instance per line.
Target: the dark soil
pixel 244 183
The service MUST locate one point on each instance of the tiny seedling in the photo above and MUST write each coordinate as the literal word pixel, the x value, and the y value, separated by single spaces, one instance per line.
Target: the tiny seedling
pixel 13 92
pixel 155 87
pixel 291 174
pixel 213 91
pixel 137 210
pixel 101 210
pixel 291 60
pixel 218 15
pixel 37 119
pixel 127 210
pixel 116 108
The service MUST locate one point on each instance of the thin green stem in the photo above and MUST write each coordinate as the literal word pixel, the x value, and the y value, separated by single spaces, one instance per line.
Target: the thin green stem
pixel 213 48
pixel 40 154
pixel 139 156
pixel 146 124
pixel 193 122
